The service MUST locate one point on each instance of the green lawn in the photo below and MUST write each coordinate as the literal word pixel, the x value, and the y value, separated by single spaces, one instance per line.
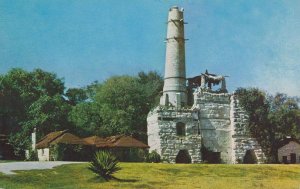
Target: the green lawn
pixel 148 175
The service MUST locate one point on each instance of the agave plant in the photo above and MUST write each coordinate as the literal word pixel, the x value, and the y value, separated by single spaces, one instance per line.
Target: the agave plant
pixel 104 164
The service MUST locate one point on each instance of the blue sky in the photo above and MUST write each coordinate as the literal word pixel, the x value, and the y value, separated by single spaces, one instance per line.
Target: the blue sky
pixel 255 42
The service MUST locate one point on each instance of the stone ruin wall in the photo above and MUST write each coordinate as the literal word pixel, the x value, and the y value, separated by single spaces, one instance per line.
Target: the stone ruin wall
pixel 222 124
pixel 242 140
pixel 215 123
pixel 162 135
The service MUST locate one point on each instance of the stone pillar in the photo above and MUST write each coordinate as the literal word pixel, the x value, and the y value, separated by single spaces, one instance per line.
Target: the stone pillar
pixel 223 85
pixel 202 81
pixel 33 139
pixel 175 76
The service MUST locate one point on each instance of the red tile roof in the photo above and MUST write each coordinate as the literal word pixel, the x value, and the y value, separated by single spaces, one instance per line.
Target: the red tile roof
pixel 45 142
pixel 93 140
pixel 118 141
pixel 59 137
pixel 123 141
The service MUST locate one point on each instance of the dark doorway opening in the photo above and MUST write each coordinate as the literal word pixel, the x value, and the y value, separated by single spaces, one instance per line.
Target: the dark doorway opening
pixel 293 158
pixel 250 157
pixel 183 156
pixel 180 129
pixel 209 156
pixel 215 157
pixel 284 159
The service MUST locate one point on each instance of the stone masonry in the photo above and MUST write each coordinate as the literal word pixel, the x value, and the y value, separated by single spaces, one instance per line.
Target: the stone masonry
pixel 215 123
pixel 241 136
pixel 163 138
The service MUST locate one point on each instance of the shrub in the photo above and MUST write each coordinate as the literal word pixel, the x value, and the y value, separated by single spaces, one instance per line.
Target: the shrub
pixel 104 164
pixel 153 157
pixel 33 156
pixel 57 152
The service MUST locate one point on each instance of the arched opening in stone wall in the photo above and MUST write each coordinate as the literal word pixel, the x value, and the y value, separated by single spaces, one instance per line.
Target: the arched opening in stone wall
pixel 180 129
pixel 183 156
pixel 209 156
pixel 250 157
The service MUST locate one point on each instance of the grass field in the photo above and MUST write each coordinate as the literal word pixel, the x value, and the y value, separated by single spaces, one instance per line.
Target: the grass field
pixel 147 175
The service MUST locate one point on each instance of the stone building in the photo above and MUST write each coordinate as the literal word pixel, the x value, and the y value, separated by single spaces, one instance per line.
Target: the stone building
pixel 289 151
pixel 195 122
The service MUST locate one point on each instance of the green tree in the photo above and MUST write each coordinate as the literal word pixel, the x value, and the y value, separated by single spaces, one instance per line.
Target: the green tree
pixel 121 100
pixel 76 95
pixel 271 118
pixel 86 119
pixel 48 114
pixel 152 85
pixel 19 90
pixel 125 102
pixel 285 115
pixel 255 102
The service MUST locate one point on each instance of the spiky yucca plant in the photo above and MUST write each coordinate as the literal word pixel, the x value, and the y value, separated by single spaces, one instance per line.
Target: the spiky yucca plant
pixel 104 164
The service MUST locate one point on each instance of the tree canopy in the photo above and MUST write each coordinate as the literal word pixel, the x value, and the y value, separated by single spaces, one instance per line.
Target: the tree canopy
pixel 271 117
pixel 120 105
pixel 38 100
pixel 25 103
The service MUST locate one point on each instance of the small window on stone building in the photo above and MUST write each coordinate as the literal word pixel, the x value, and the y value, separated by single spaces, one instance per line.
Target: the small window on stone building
pixel 180 129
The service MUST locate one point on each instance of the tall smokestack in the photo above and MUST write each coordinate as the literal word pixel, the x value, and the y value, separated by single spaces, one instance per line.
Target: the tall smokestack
pixel 175 79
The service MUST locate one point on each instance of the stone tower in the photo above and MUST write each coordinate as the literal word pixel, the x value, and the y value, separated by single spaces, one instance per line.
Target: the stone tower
pixel 214 129
pixel 174 91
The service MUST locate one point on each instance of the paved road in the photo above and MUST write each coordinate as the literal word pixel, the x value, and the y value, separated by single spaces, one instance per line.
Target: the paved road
pixel 7 168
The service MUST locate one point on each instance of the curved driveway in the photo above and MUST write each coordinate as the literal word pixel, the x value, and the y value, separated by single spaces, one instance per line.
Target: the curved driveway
pixel 7 168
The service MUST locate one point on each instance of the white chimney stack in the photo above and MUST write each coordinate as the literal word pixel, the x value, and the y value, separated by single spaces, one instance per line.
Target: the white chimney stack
pixel 175 76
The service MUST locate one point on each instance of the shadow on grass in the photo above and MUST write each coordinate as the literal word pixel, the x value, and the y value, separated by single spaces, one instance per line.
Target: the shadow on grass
pixel 101 179
pixel 124 180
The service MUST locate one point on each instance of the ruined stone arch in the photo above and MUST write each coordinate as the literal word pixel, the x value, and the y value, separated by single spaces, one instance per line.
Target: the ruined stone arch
pixel 250 157
pixel 180 129
pixel 183 156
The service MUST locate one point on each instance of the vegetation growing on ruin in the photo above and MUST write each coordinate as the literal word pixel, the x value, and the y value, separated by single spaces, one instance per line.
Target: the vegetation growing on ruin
pixel 271 118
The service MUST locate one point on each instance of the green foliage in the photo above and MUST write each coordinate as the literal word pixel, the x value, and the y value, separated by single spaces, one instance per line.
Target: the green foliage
pixel 153 157
pixel 86 119
pixel 255 102
pixel 271 118
pixel 33 156
pixel 152 85
pixel 57 152
pixel 21 93
pixel 76 95
pixel 36 100
pixel 129 154
pixel 121 102
pixel 117 106
pixel 70 152
pixel 125 103
pixel 104 164
pixel 285 116
pixel 48 114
